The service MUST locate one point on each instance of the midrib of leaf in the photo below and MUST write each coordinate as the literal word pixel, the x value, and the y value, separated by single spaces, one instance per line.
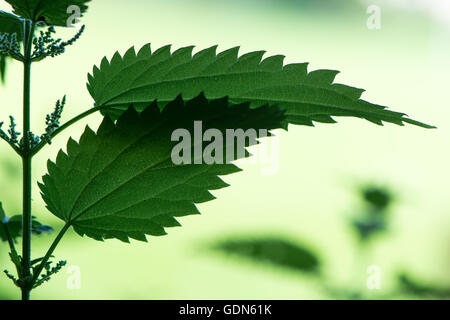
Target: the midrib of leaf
pixel 120 183
pixel 249 98
pixel 92 179
pixel 242 97
pixel 306 104
pixel 155 196
pixel 151 166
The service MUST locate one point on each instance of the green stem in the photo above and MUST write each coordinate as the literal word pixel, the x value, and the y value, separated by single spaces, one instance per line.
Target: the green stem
pixel 49 253
pixel 12 247
pixel 15 148
pixel 10 239
pixel 26 164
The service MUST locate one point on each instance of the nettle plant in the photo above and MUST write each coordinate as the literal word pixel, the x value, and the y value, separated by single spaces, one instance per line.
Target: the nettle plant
pixel 119 181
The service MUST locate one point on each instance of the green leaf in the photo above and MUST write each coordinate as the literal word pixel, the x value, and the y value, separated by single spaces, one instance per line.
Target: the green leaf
pixel 121 182
pixel 52 12
pixel 10 23
pixel 271 250
pixel 39 228
pixel 378 198
pixel 2 213
pixel 412 286
pixel 14 225
pixel 306 97
pixel 2 68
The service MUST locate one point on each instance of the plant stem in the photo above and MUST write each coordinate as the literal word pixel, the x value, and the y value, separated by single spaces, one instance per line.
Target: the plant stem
pixel 15 148
pixel 12 247
pixel 26 163
pixel 49 253
pixel 26 223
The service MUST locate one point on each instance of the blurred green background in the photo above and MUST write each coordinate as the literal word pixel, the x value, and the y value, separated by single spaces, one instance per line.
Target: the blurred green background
pixel 315 195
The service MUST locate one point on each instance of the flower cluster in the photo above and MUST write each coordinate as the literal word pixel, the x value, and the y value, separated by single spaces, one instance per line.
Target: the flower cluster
pixel 45 45
pixel 49 272
pixel 12 278
pixel 53 120
pixel 10 46
pixel 12 136
pixel 33 141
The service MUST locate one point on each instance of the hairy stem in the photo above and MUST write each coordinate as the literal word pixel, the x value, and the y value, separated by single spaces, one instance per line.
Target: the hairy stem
pixel 49 253
pixel 26 163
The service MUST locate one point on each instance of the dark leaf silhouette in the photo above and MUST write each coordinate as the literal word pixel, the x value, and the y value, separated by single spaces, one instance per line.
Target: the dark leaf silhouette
pixel 121 181
pixel 274 251
pixel 14 225
pixel 412 286
pixel 10 24
pixel 379 198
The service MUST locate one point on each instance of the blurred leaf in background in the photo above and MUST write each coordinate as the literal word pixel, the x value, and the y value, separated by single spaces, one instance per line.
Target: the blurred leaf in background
pixel 11 168
pixel 275 251
pixel 373 218
pixel 4 296
pixel 418 288
pixel 369 220
pixel 14 225
pixel 310 5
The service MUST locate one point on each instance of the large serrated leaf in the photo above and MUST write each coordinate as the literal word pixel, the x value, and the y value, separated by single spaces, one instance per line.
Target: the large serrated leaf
pixel 52 12
pixel 306 97
pixel 121 181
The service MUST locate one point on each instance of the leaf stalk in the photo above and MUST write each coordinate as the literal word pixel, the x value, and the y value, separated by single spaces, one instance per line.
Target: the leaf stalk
pixel 49 253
